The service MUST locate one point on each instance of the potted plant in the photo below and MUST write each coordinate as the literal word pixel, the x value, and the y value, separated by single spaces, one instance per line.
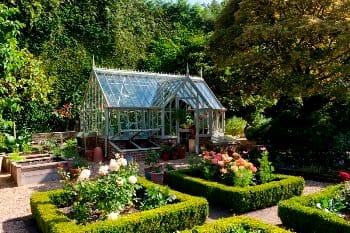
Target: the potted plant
pixel 77 165
pixel 157 174
pixel 165 152
pixel 151 160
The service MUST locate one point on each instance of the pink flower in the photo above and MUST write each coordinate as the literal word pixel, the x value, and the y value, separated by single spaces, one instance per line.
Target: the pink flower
pixel 218 156
pixel 245 152
pixel 221 163
pixel 234 168
pixel 223 170
pixel 214 161
pixel 240 162
pixel 262 148
pixel 253 169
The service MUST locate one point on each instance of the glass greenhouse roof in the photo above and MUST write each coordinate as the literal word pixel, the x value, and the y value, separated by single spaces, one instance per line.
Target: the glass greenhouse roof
pixel 130 89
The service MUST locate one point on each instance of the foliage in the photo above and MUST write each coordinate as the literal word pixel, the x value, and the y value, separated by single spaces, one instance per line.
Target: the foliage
pixel 152 157
pixel 16 144
pixel 16 157
pixel 314 129
pixel 241 229
pixel 235 126
pixel 265 169
pixel 22 76
pixel 290 48
pixel 188 212
pixel 240 199
pixel 79 162
pixel 301 213
pixel 236 224
pixel 331 205
pixel 69 149
pixel 155 197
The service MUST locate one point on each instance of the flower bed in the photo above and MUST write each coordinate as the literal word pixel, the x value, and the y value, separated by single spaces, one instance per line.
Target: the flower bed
pixel 240 199
pixel 237 224
pixel 304 214
pixel 186 212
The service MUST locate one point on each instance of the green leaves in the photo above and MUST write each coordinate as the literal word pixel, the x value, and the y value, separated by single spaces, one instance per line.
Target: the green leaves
pixel 280 48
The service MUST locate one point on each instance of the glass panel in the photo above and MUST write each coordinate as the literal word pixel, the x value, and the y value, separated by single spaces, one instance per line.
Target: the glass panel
pixel 208 95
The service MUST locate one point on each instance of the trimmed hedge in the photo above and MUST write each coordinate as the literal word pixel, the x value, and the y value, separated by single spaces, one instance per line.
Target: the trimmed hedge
pixel 224 224
pixel 300 214
pixel 239 199
pixel 187 213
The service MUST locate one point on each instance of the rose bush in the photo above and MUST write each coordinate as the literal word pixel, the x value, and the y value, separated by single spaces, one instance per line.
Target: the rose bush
pixel 233 170
pixel 108 195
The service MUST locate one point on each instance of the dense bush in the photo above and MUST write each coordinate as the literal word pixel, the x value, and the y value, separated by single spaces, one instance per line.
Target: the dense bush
pixel 313 130
pixel 301 214
pixel 239 199
pixel 235 126
pixel 226 224
pixel 186 213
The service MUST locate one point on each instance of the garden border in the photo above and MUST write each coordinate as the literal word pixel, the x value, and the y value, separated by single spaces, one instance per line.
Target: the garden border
pixel 239 199
pixel 187 213
pixel 297 213
pixel 223 224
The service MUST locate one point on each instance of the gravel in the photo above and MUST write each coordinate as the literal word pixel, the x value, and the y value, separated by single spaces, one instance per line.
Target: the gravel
pixel 15 213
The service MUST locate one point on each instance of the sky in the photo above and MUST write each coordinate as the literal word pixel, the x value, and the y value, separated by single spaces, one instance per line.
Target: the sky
pixel 199 1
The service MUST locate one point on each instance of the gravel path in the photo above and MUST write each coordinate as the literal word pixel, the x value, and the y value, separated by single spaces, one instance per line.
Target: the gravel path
pixel 15 214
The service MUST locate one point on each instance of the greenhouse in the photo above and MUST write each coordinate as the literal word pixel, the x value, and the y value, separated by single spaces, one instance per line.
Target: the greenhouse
pixel 134 111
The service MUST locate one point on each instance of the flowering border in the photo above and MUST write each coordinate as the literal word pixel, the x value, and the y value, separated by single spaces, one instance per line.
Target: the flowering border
pixel 300 214
pixel 187 213
pixel 239 199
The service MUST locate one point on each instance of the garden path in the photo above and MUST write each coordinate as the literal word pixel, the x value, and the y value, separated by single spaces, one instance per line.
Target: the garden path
pixel 15 214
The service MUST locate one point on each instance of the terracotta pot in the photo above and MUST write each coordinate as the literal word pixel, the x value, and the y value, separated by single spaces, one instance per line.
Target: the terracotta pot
pixel 89 155
pixel 165 156
pixel 157 177
pixel 74 172
pixel 181 153
pixel 98 154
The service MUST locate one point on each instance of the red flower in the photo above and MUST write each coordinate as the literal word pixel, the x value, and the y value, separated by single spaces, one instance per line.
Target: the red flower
pixel 344 176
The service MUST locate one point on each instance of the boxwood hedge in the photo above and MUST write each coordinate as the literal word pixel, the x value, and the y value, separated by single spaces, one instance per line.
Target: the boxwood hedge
pixel 239 199
pixel 224 224
pixel 301 214
pixel 187 213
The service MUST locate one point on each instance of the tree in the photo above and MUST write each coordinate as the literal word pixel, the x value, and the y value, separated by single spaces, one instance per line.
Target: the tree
pixel 21 75
pixel 285 48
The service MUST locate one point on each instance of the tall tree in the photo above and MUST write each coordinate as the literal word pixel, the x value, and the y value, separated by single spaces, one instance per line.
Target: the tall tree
pixel 22 78
pixel 278 47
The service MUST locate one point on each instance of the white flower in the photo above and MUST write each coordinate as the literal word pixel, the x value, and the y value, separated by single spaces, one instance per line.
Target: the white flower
pixel 117 155
pixel 113 215
pixel 114 165
pixel 120 182
pixel 103 170
pixel 84 174
pixel 318 205
pixel 132 179
pixel 122 162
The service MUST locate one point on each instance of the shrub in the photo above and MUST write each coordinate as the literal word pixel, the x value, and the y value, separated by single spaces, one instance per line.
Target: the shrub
pixel 235 126
pixel 245 224
pixel 186 213
pixel 266 169
pixel 239 199
pixel 301 213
